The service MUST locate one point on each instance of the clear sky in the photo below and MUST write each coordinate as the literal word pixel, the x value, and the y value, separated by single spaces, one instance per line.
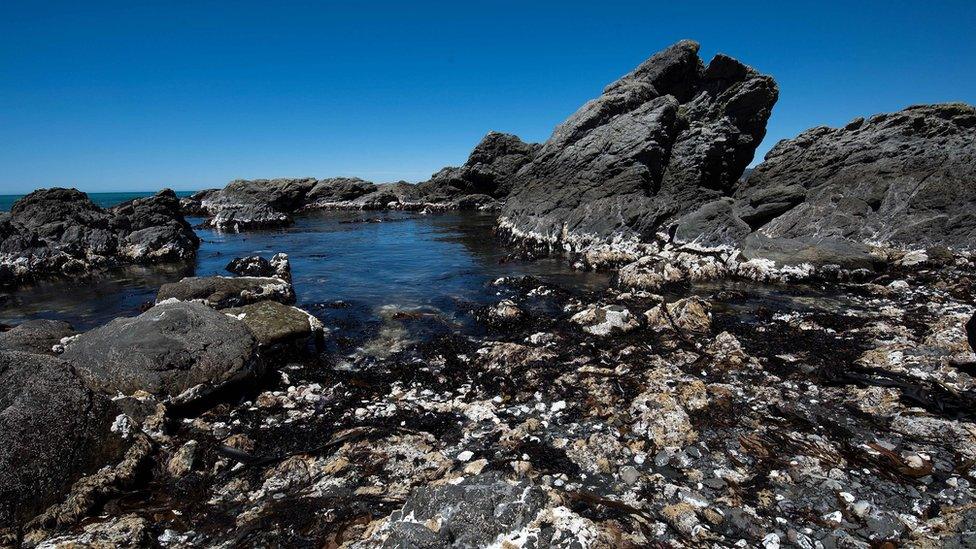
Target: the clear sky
pixel 135 95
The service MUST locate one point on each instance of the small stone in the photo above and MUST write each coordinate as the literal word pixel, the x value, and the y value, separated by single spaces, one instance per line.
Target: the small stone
pixel 182 461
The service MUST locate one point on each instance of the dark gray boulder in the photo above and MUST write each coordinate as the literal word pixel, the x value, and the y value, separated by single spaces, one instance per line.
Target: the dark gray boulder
pixel 259 203
pixel 58 231
pixel 670 136
pixel 36 336
pixel 53 430
pixel 337 191
pixel 904 178
pixel 472 513
pixel 255 265
pixel 167 351
pixel 224 291
pixel 488 171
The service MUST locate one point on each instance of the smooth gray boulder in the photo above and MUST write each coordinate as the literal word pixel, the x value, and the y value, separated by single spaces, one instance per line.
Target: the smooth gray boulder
pixel 53 431
pixel 225 291
pixel 36 336
pixel 904 178
pixel 663 140
pixel 273 323
pixel 167 351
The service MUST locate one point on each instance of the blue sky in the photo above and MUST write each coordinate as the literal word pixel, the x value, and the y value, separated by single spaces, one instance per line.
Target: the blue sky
pixel 108 96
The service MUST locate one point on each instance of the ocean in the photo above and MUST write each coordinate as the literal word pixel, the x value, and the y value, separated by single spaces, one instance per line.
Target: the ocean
pixel 104 200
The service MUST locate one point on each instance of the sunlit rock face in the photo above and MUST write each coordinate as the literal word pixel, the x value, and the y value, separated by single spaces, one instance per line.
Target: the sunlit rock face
pixel 666 138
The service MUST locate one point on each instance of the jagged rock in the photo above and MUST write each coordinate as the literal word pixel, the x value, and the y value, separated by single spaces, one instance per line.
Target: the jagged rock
pixel 663 140
pixel 388 196
pixel 335 192
pixel 57 231
pixel 224 291
pixel 53 430
pixel 36 336
pixel 167 351
pixel 128 532
pixel 278 266
pixel 183 460
pixel 273 323
pixel 690 316
pixel 488 170
pixel 903 178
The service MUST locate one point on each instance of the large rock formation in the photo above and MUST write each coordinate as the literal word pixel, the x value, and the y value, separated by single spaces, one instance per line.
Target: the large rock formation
pixel 663 140
pixel 176 350
pixel 58 231
pixel 53 430
pixel 904 178
pixel 259 203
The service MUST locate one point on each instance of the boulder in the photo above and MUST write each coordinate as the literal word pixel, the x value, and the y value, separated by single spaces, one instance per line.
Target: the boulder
pixel 224 291
pixel 662 141
pixel 902 178
pixel 337 191
pixel 53 430
pixel 58 231
pixel 259 203
pixel 36 336
pixel 167 351
pixel 273 323
pixel 472 513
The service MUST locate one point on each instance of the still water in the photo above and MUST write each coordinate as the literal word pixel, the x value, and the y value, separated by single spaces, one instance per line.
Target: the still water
pixel 359 262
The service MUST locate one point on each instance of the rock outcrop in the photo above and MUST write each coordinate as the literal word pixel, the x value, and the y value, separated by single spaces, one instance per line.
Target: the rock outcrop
pixel 175 350
pixel 903 178
pixel 660 142
pixel 489 170
pixel 253 204
pixel 60 231
pixel 255 265
pixel 53 430
pixel 225 291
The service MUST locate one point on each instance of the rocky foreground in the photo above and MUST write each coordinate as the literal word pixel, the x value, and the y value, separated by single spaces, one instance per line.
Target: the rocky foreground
pixel 818 415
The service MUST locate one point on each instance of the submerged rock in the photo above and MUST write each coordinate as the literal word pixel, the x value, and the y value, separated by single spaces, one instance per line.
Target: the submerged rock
pixel 53 430
pixel 175 350
pixel 59 231
pixel 224 291
pixel 36 336
pixel 660 142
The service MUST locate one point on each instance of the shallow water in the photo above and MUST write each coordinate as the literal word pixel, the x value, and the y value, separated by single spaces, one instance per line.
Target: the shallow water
pixel 368 261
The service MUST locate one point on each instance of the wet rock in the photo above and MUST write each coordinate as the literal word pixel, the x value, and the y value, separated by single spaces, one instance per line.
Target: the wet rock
pixel 53 430
pixel 663 140
pixel 273 323
pixel 663 420
pixel 817 251
pixel 175 350
pixel 605 320
pixel 36 336
pixel 59 231
pixel 895 178
pixel 473 513
pixel 222 291
pixel 255 265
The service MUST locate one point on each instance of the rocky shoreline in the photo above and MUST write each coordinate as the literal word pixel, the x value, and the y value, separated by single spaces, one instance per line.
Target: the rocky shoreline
pixel 784 359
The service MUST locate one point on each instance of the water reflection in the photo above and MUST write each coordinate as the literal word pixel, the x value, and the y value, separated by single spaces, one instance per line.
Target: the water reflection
pixel 367 260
